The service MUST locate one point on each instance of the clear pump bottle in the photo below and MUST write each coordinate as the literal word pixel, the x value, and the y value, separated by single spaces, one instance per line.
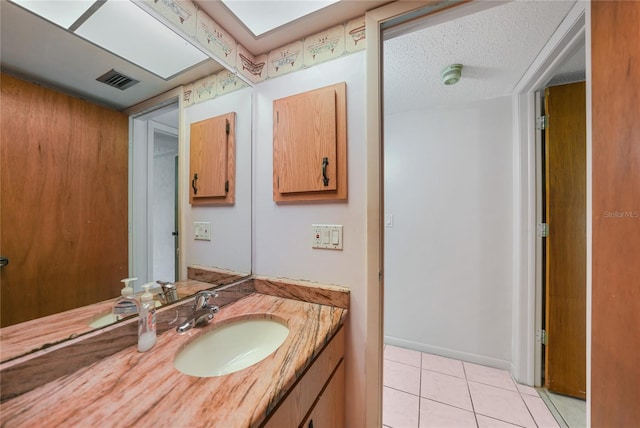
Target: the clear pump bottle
pixel 127 304
pixel 147 321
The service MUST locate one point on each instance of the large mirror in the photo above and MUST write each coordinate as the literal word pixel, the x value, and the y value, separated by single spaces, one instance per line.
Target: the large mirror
pixel 146 228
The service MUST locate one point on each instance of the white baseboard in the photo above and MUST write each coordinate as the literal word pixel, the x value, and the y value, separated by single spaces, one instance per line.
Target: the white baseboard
pixel 451 353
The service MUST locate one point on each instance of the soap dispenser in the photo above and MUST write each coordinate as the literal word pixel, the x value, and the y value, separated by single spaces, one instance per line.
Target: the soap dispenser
pixel 147 321
pixel 127 304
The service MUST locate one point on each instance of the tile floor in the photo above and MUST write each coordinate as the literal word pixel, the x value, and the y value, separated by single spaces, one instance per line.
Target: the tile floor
pixel 569 412
pixel 423 390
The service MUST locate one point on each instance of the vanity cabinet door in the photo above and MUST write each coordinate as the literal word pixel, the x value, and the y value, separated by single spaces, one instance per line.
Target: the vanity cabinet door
pixel 212 160
pixel 309 145
pixel 306 393
pixel 328 411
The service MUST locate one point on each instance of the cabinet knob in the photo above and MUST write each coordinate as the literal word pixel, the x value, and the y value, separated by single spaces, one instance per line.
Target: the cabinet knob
pixel 311 423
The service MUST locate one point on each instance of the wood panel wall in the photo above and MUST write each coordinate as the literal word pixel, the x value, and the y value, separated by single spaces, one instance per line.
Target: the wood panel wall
pixel 64 201
pixel 615 360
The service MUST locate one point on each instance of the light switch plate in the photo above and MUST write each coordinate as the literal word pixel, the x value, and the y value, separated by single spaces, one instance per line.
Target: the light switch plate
pixel 327 236
pixel 202 230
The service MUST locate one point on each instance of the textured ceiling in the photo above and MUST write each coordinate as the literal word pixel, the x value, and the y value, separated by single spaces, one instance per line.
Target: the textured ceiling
pixel 496 46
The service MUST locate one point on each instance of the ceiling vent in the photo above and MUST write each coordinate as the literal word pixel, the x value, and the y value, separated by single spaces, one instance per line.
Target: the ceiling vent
pixel 117 80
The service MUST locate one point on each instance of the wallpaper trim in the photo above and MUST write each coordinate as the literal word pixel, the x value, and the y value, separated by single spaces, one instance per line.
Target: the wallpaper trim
pixel 185 17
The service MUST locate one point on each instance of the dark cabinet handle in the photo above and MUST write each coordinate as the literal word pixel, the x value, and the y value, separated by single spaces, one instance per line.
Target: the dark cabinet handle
pixel 193 184
pixel 325 179
pixel 311 421
pixel 4 261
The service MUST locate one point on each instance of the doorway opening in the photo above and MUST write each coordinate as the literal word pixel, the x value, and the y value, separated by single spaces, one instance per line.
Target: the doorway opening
pixel 519 358
pixel 154 208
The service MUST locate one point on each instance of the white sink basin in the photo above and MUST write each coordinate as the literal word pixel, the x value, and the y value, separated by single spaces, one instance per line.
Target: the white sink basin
pixel 231 347
pixel 109 318
pixel 105 319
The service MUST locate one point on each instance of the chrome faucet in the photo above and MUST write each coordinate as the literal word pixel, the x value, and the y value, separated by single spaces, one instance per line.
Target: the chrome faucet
pixel 202 311
pixel 169 292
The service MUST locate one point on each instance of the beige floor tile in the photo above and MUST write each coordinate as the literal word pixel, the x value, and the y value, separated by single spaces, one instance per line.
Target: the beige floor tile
pixel 399 409
pixel 445 389
pixel 438 415
pixel 402 377
pixel 498 403
pixel 489 376
pixel 402 355
pixel 444 365
pixel 540 412
pixel 487 422
pixel 526 389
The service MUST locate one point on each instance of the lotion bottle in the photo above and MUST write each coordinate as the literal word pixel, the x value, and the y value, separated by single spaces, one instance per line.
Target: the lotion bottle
pixel 147 321
pixel 127 304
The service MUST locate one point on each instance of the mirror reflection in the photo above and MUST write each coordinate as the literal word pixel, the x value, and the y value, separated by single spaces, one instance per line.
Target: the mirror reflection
pixel 94 180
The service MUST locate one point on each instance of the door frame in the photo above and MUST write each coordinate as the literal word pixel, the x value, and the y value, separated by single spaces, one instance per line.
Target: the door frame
pixel 528 274
pixel 138 133
pixel 572 30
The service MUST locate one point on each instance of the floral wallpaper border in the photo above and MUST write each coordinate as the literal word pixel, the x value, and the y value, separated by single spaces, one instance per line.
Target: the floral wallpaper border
pixel 185 17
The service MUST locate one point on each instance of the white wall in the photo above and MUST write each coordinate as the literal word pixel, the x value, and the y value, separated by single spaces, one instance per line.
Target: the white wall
pixel 282 233
pixel 230 245
pixel 448 255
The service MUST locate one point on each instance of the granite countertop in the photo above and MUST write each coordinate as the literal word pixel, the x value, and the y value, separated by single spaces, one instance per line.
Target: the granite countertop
pixel 144 389
pixel 19 339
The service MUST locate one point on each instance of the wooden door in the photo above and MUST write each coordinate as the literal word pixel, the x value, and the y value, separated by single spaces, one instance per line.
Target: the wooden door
pixel 63 202
pixel 565 167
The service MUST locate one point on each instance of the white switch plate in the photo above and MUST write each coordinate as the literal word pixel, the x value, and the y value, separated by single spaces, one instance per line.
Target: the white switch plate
pixel 202 230
pixel 326 236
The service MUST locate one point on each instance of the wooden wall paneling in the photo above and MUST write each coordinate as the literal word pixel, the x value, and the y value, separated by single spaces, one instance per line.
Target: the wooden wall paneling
pixel 64 201
pixel 615 341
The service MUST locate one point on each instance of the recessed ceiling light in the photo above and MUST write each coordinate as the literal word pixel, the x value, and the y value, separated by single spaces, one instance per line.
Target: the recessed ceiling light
pixel 261 16
pixel 62 13
pixel 131 33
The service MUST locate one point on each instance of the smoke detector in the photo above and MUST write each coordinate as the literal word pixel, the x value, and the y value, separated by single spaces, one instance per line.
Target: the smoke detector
pixel 451 74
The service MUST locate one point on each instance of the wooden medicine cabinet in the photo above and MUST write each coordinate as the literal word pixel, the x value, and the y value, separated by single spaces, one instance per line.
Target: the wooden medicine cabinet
pixel 212 161
pixel 310 145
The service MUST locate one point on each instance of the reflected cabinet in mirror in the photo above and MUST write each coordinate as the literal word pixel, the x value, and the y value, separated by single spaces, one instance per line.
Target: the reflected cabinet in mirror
pixel 95 190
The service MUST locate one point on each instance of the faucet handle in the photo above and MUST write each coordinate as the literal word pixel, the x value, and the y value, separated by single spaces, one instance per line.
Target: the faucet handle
pixel 202 299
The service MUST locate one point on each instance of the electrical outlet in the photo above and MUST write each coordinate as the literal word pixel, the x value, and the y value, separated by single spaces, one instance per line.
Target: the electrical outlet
pixel 202 230
pixel 326 236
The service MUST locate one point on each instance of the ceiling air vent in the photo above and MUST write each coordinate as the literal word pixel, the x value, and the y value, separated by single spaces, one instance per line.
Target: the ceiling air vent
pixel 117 80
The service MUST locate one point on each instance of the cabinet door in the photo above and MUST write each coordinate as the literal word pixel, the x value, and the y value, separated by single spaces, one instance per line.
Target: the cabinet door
pixel 309 145
pixel 212 160
pixel 301 398
pixel 328 411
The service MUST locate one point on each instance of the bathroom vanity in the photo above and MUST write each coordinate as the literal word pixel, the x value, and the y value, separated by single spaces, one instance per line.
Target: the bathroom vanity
pixel 301 382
